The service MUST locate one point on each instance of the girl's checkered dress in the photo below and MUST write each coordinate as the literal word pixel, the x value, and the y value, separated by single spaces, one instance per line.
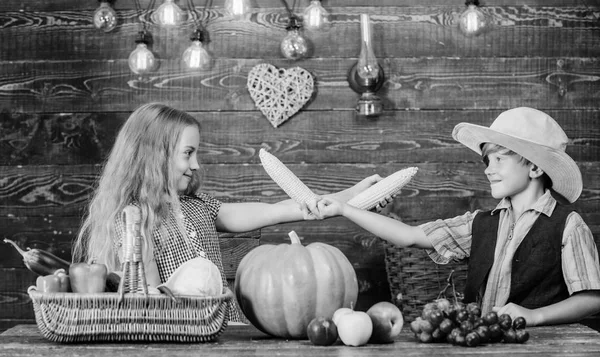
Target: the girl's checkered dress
pixel 171 248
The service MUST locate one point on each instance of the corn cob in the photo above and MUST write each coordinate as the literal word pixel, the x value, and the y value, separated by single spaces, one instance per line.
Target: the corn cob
pixel 389 186
pixel 285 178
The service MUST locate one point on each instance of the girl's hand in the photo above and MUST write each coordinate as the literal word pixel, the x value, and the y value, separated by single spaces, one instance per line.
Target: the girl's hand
pixel 515 311
pixel 310 211
pixel 364 184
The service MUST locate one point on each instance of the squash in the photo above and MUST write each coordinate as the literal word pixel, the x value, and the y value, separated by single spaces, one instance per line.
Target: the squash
pixel 281 288
pixel 198 276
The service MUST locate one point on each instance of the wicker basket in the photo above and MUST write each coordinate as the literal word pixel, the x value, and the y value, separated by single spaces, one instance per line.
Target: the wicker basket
pixel 416 280
pixel 131 314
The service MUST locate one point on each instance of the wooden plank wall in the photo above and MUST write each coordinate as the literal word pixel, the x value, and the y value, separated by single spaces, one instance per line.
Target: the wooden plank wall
pixel 65 89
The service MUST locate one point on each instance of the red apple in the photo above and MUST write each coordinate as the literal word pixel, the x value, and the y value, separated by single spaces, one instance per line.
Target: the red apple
pixel 322 331
pixel 387 322
pixel 354 328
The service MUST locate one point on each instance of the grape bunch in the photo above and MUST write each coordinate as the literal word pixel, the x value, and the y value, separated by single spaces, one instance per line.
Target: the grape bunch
pixel 464 325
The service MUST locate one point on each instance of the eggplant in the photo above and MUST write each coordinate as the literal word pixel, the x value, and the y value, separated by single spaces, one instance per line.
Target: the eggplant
pixel 45 263
pixel 40 261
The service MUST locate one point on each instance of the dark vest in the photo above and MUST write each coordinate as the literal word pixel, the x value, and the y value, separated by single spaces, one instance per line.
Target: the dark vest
pixel 537 278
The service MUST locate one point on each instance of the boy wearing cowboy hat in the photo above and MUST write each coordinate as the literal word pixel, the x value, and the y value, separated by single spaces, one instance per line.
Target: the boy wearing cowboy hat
pixel 530 256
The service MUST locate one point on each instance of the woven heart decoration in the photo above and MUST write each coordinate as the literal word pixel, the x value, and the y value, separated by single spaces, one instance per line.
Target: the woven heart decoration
pixel 279 93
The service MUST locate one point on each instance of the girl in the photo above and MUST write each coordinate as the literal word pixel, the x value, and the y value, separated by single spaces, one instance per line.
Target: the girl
pixel 153 164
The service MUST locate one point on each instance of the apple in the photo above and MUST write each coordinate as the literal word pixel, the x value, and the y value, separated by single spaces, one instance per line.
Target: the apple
pixel 339 312
pixel 387 322
pixel 322 331
pixel 354 328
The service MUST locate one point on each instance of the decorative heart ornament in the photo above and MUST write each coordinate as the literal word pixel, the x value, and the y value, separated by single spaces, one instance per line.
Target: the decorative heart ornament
pixel 279 93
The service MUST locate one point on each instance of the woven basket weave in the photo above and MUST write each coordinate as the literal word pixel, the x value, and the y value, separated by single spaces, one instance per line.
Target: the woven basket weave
pixel 415 279
pixel 131 314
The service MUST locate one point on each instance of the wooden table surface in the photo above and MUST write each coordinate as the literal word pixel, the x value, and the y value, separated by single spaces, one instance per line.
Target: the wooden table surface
pixel 562 340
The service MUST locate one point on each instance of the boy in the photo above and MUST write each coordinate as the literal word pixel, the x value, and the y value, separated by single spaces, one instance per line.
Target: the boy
pixel 530 256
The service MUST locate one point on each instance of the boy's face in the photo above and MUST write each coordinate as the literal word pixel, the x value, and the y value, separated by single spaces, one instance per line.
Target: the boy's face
pixel 508 177
pixel 185 160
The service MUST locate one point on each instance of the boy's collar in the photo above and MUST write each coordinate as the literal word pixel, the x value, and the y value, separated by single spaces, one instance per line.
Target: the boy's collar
pixel 545 204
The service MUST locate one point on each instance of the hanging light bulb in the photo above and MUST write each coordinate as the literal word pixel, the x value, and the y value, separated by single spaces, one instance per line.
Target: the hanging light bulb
pixel 105 17
pixel 315 16
pixel 238 8
pixel 472 21
pixel 294 46
pixel 195 57
pixel 168 14
pixel 141 60
pixel 368 67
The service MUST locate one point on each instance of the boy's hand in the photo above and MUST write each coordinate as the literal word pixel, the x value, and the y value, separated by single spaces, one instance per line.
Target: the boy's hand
pixel 515 311
pixel 329 207
pixel 383 203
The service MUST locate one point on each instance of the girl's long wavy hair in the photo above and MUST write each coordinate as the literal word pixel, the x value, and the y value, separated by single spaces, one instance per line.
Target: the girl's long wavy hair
pixel 138 170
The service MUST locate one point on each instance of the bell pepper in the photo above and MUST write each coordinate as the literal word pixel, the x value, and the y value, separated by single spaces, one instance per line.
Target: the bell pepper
pixel 88 278
pixel 58 282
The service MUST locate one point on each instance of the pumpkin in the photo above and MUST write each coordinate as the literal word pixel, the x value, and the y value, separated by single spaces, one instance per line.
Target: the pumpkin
pixel 282 288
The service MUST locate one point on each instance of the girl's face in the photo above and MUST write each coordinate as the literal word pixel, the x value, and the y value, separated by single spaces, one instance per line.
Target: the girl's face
pixel 185 160
pixel 508 177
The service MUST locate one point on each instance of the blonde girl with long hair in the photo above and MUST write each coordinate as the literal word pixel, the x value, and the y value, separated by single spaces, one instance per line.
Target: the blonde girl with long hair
pixel 153 165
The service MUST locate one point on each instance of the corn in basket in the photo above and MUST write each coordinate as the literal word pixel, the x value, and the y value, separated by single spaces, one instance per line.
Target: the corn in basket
pixel 131 314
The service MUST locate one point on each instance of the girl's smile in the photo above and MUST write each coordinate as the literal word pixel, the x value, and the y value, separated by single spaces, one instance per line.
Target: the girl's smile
pixel 185 161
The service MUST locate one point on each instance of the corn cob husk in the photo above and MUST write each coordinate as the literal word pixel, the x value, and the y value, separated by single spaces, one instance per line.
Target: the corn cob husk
pixel 388 186
pixel 285 178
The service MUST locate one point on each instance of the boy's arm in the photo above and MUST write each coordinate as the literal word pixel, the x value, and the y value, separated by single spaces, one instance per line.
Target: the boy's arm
pixel 393 231
pixel 576 307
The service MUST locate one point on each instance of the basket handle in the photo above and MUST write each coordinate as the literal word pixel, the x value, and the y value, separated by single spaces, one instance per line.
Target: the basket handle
pixel 134 276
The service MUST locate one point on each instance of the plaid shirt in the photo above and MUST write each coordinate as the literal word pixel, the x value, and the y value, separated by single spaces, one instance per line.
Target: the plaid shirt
pixel 451 239
pixel 172 248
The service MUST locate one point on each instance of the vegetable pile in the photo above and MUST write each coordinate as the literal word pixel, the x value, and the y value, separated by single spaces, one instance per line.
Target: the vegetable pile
pixel 464 325
pixel 53 278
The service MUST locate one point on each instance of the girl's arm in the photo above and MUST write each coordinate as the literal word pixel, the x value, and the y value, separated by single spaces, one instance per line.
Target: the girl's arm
pixel 393 231
pixel 247 216
pixel 574 308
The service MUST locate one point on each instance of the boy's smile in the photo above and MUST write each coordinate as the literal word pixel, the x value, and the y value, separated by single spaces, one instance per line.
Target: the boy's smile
pixel 507 175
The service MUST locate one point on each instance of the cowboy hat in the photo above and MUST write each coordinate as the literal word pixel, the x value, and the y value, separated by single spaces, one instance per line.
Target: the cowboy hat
pixel 534 135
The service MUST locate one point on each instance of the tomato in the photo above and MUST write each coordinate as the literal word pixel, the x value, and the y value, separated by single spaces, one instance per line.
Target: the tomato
pixel 436 317
pixel 495 332
pixel 490 318
pixel 484 333
pixel 446 325
pixel 479 322
pixel 415 325
pixel 519 323
pixel 425 337
pixel 322 331
pixel 466 326
pixel 472 339
pixel 474 309
pixel 522 336
pixel 510 336
pixel 462 315
pixel 505 321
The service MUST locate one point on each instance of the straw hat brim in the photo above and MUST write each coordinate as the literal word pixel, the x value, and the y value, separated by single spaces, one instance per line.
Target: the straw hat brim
pixel 560 167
